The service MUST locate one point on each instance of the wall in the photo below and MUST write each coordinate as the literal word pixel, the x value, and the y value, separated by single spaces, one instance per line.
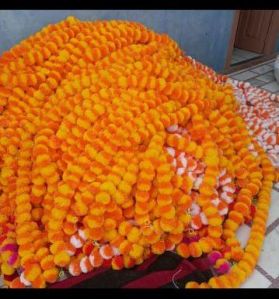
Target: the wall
pixel 203 34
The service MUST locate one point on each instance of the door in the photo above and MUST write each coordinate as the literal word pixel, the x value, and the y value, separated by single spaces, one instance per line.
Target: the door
pixel 252 30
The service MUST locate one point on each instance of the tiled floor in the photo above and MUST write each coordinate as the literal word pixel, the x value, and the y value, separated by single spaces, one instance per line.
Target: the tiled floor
pixel 240 55
pixel 260 76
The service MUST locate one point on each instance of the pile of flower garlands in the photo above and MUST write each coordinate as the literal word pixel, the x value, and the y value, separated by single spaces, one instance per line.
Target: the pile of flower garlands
pixel 115 146
pixel 260 110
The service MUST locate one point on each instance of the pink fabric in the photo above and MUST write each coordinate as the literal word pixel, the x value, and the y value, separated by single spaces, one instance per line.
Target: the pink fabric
pixel 69 282
pixel 160 278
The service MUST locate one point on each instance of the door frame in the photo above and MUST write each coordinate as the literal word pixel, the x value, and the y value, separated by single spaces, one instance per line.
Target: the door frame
pixel 272 33
pixel 270 42
pixel 232 39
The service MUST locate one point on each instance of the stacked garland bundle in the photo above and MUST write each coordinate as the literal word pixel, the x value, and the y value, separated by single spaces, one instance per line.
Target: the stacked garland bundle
pixel 260 110
pixel 115 146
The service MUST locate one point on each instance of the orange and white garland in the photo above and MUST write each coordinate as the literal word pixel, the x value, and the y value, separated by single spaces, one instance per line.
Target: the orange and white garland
pixel 115 146
pixel 260 110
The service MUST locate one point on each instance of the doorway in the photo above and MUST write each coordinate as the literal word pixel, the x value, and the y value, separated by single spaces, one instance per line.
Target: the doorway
pixel 254 34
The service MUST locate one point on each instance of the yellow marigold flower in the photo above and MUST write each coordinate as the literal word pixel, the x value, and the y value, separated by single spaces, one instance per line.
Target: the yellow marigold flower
pixel 103 197
pixel 136 251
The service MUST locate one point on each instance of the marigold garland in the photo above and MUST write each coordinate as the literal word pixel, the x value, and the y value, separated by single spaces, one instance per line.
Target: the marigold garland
pixel 115 146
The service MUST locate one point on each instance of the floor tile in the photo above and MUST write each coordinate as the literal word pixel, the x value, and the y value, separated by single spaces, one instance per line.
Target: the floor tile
pixel 268 77
pixel 234 61
pixel 262 69
pixel 250 68
pixel 271 63
pixel 237 59
pixel 272 86
pixel 236 55
pixel 274 286
pixel 256 82
pixel 244 76
pixel 245 54
pixel 269 260
pixel 243 234
pixel 237 51
pixel 256 280
pixel 274 208
pixel 251 56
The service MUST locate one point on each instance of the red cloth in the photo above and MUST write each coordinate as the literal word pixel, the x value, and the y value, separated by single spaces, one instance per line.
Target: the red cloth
pixel 166 271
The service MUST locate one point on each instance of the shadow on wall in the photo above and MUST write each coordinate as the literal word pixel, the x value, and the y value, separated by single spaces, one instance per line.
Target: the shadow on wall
pixel 202 34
